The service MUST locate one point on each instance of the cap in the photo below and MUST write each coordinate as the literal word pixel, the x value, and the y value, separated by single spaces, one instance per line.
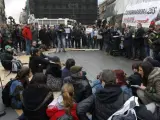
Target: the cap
pixel 75 69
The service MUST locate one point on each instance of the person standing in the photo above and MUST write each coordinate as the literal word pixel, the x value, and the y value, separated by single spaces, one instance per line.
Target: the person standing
pixel 27 34
pixel 139 43
pixel 61 38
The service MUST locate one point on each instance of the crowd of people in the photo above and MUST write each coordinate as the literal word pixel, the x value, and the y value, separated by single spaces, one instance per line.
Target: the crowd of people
pixel 80 98
pixel 132 42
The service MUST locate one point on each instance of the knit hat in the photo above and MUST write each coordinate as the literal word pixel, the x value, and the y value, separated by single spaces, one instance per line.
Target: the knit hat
pixel 8 48
pixel 121 78
pixel 75 69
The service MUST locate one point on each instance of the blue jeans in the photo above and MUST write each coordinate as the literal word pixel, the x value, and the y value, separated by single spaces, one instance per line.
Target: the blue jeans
pixel 147 51
pixel 28 47
pixel 61 43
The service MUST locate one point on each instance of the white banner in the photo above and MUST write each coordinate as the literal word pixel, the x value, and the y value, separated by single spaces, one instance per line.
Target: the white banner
pixel 141 13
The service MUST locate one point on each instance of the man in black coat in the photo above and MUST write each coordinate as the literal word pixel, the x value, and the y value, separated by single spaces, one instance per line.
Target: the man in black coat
pixel 138 43
pixel 82 88
pixel 105 102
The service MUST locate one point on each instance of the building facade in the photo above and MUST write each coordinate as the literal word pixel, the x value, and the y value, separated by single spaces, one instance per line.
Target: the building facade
pixel 102 10
pixel 84 11
pixel 2 12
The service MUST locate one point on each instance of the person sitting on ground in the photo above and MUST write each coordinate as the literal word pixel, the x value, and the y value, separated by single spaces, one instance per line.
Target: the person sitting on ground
pixel 42 49
pixel 105 102
pixel 37 63
pixel 150 92
pixel 135 78
pixel 36 98
pixel 81 86
pixel 66 71
pixel 155 63
pixel 121 80
pixel 97 84
pixel 20 82
pixel 54 74
pixel 63 105
pixel 7 57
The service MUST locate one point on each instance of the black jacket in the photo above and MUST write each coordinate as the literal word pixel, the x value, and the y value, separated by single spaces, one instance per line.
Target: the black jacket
pixel 103 104
pixel 6 60
pixel 82 88
pixel 33 97
pixel 139 37
pixel 37 64
pixel 135 79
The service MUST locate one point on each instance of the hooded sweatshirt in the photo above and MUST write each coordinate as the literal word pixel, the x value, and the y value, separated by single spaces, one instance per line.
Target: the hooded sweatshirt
pixel 103 104
pixel 56 109
pixel 33 99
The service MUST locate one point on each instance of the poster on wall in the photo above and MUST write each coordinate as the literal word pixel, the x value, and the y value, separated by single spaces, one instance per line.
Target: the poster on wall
pixel 141 13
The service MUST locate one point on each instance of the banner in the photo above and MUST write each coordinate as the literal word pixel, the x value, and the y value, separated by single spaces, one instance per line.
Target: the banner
pixel 141 13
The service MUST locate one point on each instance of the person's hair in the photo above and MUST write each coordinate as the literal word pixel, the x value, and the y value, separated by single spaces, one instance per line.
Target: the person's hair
pixel 67 94
pixel 155 63
pixel 147 69
pixel 39 78
pixel 108 76
pixel 121 78
pixel 22 73
pixel 34 52
pixel 136 65
pixel 69 63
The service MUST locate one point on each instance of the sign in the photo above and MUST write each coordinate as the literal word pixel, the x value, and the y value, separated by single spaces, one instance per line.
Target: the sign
pixel 68 30
pixel 141 13
pixel 89 30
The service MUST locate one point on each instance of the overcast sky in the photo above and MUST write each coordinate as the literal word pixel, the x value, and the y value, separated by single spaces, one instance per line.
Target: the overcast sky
pixel 14 7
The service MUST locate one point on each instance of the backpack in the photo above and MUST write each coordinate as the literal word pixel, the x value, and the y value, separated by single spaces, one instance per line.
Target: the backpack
pixel 16 65
pixel 66 117
pixel 6 98
pixel 127 112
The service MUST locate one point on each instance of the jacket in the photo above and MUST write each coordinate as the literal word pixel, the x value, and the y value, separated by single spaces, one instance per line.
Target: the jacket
pixel 153 86
pixel 135 79
pixel 27 33
pixel 37 64
pixel 56 109
pixel 103 104
pixel 6 60
pixel 65 73
pixel 54 73
pixel 32 100
pixel 139 40
pixel 82 88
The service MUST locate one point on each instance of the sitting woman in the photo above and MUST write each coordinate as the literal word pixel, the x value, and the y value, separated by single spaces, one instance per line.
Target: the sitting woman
pixel 150 92
pixel 19 83
pixel 121 80
pixel 37 63
pixel 54 73
pixel 66 70
pixel 64 105
pixel 36 97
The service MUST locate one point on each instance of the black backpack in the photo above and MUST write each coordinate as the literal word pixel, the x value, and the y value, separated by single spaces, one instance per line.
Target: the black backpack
pixel 6 98
pixel 66 117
